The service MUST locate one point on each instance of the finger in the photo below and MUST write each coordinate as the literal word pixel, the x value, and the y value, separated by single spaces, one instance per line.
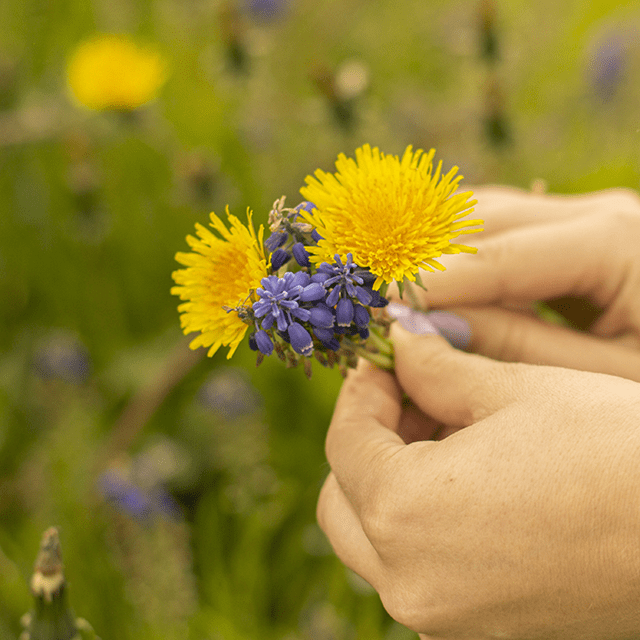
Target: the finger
pixel 513 337
pixel 415 426
pixel 362 434
pixel 455 388
pixel 342 527
pixel 569 257
pixel 504 208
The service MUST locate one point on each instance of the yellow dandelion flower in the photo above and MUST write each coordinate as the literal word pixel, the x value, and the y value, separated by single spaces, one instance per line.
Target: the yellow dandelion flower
pixel 395 216
pixel 114 72
pixel 222 273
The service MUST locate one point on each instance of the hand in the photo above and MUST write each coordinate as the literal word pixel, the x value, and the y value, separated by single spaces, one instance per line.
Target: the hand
pixel 524 524
pixel 572 249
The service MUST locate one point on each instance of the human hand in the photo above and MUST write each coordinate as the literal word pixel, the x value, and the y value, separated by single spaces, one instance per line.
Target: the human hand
pixel 524 524
pixel 576 250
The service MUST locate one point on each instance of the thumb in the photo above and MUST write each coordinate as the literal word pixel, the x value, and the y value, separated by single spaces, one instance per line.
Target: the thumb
pixel 451 386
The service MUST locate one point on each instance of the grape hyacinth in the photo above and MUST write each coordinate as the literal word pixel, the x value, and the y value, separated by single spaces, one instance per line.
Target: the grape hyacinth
pixel 312 310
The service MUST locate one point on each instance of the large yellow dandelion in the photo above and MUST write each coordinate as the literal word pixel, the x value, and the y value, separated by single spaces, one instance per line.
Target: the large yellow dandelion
pixel 222 273
pixel 395 216
pixel 114 72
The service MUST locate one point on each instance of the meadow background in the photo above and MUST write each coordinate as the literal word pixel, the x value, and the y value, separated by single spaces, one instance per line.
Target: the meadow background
pixel 185 487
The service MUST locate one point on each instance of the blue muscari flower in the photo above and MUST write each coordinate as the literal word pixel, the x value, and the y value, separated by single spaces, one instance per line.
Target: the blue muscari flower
pixel 280 299
pixel 344 280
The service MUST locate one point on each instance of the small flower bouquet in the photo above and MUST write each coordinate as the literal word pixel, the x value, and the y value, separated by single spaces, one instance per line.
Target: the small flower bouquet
pixel 316 285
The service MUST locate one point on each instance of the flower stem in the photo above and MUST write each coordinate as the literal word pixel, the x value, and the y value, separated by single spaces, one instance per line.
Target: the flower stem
pixel 380 341
pixel 382 360
pixel 414 303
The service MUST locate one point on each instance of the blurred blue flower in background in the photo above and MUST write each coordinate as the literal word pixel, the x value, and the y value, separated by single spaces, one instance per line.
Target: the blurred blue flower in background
pixel 607 64
pixel 267 9
pixel 138 486
pixel 117 488
pixel 62 357
pixel 229 394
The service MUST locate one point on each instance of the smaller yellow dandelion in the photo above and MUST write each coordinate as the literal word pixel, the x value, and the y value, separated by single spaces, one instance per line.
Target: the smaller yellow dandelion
pixel 113 72
pixel 395 216
pixel 222 274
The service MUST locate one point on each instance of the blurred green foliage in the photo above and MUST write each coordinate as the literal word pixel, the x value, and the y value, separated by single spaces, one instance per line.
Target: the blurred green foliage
pixel 204 525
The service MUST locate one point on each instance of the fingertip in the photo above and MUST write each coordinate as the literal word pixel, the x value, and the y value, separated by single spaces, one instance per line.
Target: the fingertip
pixel 440 380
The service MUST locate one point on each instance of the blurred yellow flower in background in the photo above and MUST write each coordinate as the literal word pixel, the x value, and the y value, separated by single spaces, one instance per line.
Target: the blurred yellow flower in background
pixel 222 274
pixel 113 72
pixel 395 216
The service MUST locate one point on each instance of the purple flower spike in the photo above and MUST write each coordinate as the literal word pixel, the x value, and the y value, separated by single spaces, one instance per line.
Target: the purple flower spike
pixel 344 312
pixel 278 300
pixel 300 338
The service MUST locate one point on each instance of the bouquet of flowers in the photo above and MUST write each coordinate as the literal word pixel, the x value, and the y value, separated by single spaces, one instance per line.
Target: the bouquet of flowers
pixel 316 285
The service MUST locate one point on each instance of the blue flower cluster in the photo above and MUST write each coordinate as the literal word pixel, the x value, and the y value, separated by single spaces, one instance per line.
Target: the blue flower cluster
pixel 313 309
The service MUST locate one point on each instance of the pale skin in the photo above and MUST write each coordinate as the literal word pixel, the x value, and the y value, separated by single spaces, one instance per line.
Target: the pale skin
pixel 503 500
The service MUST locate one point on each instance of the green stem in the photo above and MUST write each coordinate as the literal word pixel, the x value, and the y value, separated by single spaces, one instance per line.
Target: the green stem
pixel 382 360
pixel 380 342
pixel 411 295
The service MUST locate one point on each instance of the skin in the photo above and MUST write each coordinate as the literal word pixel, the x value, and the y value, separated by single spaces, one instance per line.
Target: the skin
pixel 583 250
pixel 502 499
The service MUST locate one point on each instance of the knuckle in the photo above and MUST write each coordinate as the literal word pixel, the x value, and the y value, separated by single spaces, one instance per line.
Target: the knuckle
pixel 627 220
pixel 379 521
pixel 418 610
pixel 627 199
pixel 401 604
pixel 386 516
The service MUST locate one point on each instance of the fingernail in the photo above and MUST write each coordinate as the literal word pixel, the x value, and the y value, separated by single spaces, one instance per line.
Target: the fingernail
pixel 409 319
pixel 417 323
pixel 455 329
pixel 396 310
